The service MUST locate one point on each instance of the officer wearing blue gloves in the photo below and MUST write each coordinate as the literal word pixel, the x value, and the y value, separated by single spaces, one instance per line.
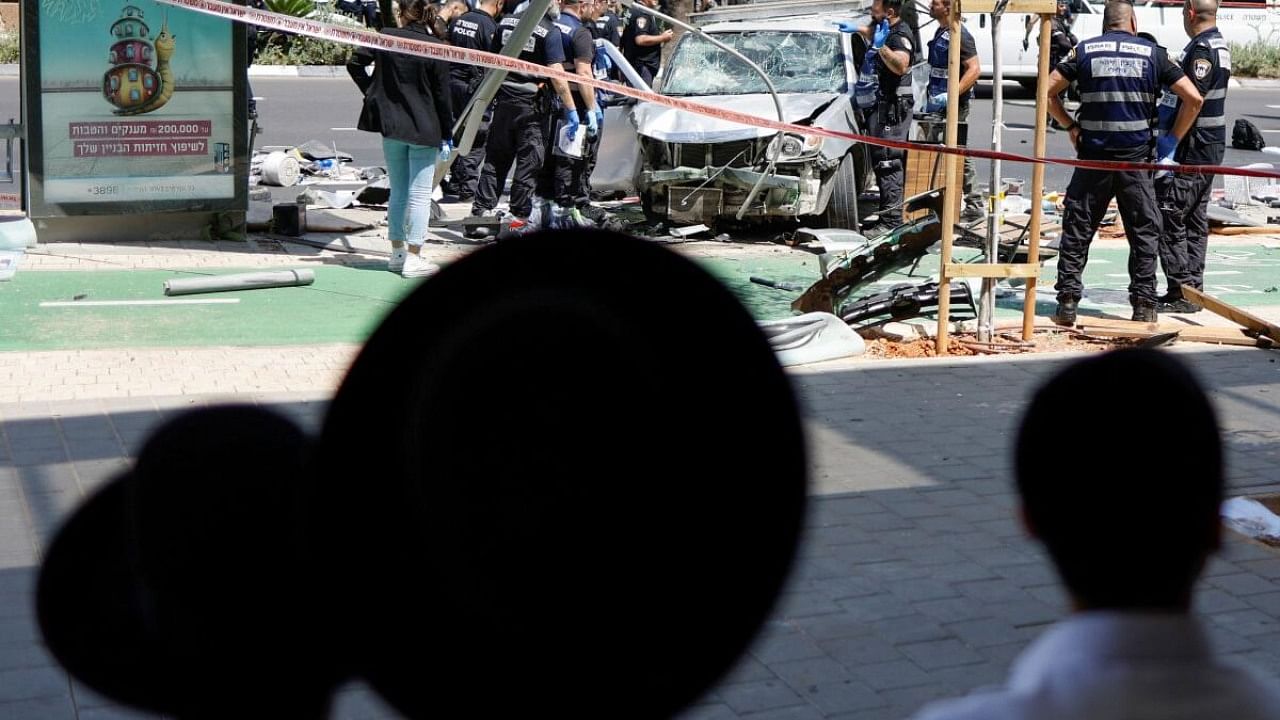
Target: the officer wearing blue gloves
pixel 562 179
pixel 1119 75
pixel 1184 197
pixel 518 131
pixel 970 70
pixel 883 97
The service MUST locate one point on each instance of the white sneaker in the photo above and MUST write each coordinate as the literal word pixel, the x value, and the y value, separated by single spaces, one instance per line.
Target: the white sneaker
pixel 396 263
pixel 417 266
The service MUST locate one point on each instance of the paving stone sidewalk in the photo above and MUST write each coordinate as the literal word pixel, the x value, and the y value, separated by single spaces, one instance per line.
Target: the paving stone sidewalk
pixel 913 583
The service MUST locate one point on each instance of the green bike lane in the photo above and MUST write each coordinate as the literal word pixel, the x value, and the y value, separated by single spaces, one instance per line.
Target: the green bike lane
pixel 346 303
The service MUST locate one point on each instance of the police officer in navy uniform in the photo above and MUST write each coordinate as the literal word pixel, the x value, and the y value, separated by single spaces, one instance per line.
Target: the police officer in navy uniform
pixel 1120 76
pixel 474 30
pixel 563 176
pixel 642 42
pixel 518 130
pixel 970 71
pixel 607 26
pixel 1184 197
pixel 889 116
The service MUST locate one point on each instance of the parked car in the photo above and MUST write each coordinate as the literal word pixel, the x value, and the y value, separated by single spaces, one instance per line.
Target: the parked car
pixel 696 168
pixel 1241 23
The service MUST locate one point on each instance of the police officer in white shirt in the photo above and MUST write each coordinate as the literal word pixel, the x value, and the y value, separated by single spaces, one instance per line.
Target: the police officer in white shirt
pixel 1129 537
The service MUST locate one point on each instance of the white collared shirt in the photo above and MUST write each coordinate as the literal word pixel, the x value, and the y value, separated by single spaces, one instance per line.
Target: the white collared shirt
pixel 1119 666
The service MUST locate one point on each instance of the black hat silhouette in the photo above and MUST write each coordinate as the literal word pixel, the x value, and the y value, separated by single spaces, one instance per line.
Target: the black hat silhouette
pixel 565 475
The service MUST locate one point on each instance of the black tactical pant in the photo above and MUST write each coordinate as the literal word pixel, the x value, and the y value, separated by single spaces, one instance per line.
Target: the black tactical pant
pixel 891 119
pixel 517 134
pixel 1088 195
pixel 1184 202
pixel 567 180
pixel 465 170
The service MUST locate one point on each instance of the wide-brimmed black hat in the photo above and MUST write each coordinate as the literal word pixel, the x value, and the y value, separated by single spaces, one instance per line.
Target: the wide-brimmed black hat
pixel 177 587
pixel 570 478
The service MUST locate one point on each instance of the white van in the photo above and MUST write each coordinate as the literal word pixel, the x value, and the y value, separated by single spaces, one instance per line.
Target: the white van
pixel 1240 22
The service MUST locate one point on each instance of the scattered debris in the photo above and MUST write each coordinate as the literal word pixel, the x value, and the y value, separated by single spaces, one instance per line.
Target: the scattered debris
pixel 684 232
pixel 239 281
pixel 810 338
pixel 1252 519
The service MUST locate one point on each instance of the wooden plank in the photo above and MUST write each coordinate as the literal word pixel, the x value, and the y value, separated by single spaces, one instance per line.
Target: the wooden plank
pixel 1259 230
pixel 1038 7
pixel 1192 333
pixel 1035 230
pixel 1232 313
pixel 992 270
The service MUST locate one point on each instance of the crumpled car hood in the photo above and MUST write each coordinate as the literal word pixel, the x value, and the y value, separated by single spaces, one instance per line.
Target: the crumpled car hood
pixel 671 125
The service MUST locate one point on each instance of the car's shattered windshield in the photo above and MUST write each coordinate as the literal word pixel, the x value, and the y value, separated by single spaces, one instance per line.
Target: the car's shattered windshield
pixel 796 62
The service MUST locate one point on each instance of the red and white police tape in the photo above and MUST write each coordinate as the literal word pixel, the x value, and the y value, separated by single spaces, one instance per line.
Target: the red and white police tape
pixel 439 51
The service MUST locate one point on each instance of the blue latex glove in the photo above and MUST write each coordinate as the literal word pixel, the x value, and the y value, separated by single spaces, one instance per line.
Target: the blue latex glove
pixel 881 34
pixel 571 122
pixel 446 149
pixel 599 114
pixel 936 103
pixel 1166 146
pixel 847 26
pixel 593 123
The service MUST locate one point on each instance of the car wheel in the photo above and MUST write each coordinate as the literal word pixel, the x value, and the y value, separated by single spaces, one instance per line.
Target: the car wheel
pixel 842 206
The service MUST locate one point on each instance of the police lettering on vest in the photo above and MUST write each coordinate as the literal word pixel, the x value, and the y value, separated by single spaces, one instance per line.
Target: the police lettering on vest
pixel 1119 78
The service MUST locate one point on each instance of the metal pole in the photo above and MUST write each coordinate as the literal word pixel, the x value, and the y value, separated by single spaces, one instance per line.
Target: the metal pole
pixel 777 103
pixel 950 194
pixel 1037 178
pixel 471 118
pixel 995 197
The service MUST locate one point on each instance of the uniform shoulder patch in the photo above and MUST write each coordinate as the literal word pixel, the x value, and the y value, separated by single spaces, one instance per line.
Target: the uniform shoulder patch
pixel 1202 68
pixel 642 23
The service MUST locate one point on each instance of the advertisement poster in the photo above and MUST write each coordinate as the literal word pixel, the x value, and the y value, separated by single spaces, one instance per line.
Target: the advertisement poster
pixel 136 103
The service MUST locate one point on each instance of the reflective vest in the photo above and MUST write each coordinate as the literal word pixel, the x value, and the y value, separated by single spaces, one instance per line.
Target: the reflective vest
pixel 568 25
pixel 1210 127
pixel 867 90
pixel 939 49
pixel 1118 81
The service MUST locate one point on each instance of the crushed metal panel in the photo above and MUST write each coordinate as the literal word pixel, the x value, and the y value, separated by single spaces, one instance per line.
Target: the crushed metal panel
pixel 694 205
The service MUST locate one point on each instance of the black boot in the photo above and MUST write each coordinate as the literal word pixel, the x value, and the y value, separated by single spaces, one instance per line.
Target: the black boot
pixel 1144 312
pixel 1180 306
pixel 1066 313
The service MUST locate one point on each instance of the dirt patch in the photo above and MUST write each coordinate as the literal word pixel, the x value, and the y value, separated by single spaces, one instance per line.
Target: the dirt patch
pixel 1044 341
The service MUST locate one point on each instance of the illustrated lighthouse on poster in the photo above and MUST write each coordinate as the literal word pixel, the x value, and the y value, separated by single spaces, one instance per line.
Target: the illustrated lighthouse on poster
pixel 140 79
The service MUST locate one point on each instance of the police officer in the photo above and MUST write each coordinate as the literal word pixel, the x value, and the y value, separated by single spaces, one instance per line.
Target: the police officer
pixel 563 174
pixel 1119 75
pixel 642 42
pixel 607 25
pixel 1184 197
pixel 884 94
pixel 518 130
pixel 970 70
pixel 475 30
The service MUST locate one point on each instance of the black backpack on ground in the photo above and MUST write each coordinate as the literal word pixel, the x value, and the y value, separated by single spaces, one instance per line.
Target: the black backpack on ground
pixel 1246 136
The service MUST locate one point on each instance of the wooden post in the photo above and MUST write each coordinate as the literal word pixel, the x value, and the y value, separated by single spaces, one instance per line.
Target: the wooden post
pixel 1037 177
pixel 949 197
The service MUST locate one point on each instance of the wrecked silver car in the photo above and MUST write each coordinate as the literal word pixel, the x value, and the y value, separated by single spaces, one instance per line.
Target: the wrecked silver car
pixel 699 169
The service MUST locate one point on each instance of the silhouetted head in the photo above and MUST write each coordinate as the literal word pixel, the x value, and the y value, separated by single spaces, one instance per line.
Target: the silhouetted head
pixel 1119 468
